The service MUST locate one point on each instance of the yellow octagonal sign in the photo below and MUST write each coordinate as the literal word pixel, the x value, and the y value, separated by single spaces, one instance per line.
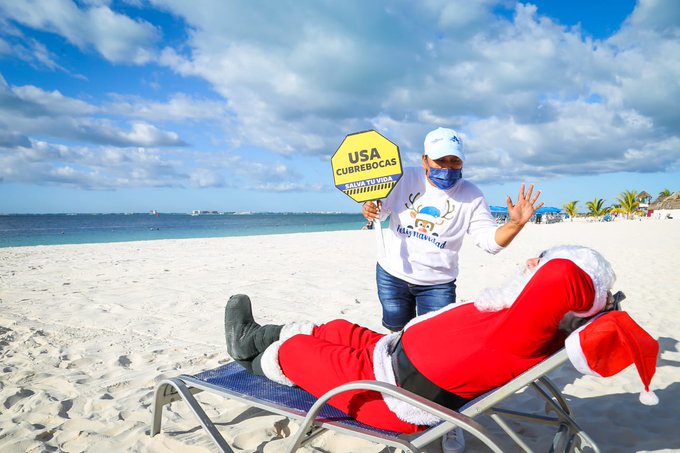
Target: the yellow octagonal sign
pixel 366 166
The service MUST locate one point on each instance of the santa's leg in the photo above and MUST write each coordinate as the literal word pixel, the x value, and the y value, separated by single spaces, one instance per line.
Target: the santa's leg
pixel 318 365
pixel 343 332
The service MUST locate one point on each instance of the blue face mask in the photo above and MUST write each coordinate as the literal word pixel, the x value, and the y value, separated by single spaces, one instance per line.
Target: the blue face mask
pixel 445 178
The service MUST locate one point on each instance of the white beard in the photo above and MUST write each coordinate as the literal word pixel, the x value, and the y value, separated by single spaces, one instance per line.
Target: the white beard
pixel 495 299
pixel 588 260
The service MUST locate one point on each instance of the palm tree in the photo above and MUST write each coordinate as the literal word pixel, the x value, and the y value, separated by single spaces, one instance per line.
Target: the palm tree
pixel 627 203
pixel 570 209
pixel 663 194
pixel 596 208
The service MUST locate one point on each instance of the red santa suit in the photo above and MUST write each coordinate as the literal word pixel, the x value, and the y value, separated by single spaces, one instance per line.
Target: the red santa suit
pixel 460 349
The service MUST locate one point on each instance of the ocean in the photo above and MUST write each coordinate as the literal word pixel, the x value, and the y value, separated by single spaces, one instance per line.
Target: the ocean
pixel 51 229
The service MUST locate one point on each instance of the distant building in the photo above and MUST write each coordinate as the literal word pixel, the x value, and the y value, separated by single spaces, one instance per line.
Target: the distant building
pixel 666 207
pixel 196 212
pixel 643 199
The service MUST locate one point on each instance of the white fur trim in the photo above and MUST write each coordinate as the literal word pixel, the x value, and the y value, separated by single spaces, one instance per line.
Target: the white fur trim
pixel 270 358
pixel 382 362
pixel 648 398
pixel 593 264
pixel 426 217
pixel 496 299
pixel 296 328
pixel 271 367
pixel 382 368
pixel 575 353
pixel 432 314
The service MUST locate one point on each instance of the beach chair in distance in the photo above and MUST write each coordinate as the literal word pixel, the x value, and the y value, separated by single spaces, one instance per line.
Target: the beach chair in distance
pixel 316 416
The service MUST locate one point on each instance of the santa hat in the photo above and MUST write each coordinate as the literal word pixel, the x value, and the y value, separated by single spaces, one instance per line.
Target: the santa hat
pixel 429 213
pixel 609 344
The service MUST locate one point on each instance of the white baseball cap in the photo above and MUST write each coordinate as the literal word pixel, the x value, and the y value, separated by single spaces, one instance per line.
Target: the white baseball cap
pixel 443 142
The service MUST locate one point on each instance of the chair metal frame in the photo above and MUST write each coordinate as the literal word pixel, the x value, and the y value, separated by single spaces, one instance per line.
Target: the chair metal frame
pixel 569 435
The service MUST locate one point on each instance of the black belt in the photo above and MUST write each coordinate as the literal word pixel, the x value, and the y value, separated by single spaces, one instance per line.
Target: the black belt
pixel 409 378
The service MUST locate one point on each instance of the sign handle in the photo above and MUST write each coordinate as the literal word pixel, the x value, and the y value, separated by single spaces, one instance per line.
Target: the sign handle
pixel 379 239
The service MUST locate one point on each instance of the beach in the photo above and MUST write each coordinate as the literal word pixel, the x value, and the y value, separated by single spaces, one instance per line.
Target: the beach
pixel 87 330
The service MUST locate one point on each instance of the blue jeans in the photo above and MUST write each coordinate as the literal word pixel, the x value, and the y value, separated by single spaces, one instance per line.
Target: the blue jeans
pixel 401 301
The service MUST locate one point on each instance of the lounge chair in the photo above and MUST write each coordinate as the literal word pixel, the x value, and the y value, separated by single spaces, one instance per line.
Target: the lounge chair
pixel 315 416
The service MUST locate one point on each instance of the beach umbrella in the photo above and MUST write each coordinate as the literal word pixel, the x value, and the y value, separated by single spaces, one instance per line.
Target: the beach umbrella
pixel 548 210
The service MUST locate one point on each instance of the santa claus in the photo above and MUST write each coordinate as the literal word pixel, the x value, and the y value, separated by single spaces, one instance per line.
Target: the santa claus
pixel 449 356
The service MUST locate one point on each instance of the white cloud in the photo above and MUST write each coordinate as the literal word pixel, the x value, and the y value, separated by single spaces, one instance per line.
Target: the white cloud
pixel 104 168
pixel 30 50
pixel 527 90
pixel 10 139
pixel 29 110
pixel 647 69
pixel 659 16
pixel 5 48
pixel 116 37
pixel 532 98
pixel 205 177
pixel 149 135
pixel 179 107
pixel 91 168
pixel 49 102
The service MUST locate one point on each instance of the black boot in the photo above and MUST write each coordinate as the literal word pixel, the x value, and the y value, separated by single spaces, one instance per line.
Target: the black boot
pixel 265 336
pixel 245 338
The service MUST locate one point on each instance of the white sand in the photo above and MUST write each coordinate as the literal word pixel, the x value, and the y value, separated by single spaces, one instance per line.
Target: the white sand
pixel 87 330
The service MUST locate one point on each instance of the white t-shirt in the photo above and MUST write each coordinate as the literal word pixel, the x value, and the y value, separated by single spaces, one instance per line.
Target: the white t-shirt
pixel 427 226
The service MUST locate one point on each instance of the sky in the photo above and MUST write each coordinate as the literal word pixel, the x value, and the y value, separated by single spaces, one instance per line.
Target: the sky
pixel 134 105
